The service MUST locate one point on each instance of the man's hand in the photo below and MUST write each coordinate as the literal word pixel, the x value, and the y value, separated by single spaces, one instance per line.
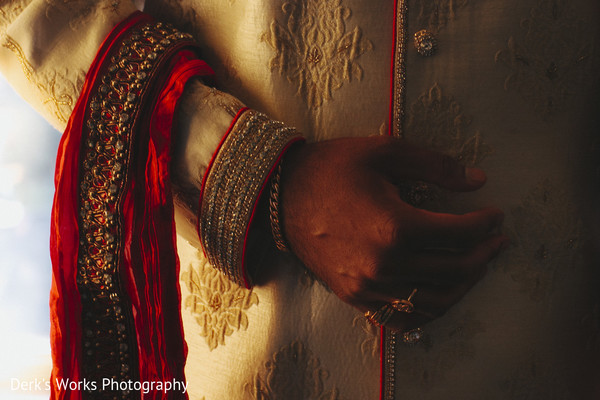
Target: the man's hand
pixel 343 217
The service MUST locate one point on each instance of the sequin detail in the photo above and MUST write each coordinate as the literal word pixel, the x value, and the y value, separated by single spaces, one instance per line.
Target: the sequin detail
pixel 232 186
pixel 109 346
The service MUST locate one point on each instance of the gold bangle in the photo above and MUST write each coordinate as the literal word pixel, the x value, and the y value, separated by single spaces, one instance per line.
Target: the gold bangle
pixel 274 210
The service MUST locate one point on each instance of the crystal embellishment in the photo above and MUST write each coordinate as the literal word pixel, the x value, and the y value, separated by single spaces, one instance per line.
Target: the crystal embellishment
pixel 413 336
pixel 425 43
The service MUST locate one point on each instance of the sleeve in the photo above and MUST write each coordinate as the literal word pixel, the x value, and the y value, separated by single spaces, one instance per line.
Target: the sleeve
pixel 112 78
pixel 219 179
pixel 47 49
pixel 49 45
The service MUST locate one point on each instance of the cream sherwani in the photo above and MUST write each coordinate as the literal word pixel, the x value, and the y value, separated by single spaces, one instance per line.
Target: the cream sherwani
pixel 512 88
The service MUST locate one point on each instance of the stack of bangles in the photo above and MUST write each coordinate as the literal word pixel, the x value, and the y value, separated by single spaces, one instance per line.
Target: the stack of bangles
pixel 378 318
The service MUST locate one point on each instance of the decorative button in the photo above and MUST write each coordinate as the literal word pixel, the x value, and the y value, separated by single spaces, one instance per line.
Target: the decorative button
pixel 425 43
pixel 413 336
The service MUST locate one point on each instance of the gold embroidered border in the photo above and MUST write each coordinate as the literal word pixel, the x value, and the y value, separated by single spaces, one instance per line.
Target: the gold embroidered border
pixel 109 342
pixel 57 103
pixel 12 45
pixel 233 185
pixel 390 338
pixel 399 72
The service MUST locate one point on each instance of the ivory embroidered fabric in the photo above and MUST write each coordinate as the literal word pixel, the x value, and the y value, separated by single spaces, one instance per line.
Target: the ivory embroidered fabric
pixel 482 98
pixel 511 88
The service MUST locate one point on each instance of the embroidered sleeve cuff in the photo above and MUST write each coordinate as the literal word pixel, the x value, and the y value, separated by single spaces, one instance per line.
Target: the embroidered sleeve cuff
pixel 232 185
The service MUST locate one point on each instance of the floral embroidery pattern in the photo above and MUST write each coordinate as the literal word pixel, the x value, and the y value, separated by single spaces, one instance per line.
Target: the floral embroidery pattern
pixel 535 379
pixel 435 14
pixel 81 11
pixel 370 344
pixel 293 373
pixel 549 57
pixel 313 49
pixel 436 121
pixel 9 13
pixel 57 99
pixel 218 305
pixel 546 236
pixel 213 97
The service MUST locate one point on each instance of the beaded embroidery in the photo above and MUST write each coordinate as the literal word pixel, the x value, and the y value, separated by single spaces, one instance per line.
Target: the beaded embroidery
pixel 233 184
pixel 107 324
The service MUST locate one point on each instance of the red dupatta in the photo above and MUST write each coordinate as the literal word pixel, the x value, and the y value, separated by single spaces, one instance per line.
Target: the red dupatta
pixel 115 301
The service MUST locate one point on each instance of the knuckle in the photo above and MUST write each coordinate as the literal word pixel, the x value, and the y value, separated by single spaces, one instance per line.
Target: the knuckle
pixel 356 291
pixel 389 144
pixel 349 298
pixel 382 147
pixel 391 230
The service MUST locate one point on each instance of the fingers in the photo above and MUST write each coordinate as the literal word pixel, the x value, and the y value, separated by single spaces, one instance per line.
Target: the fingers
pixel 443 231
pixel 415 163
pixel 429 303
pixel 447 268
pixel 450 264
pixel 442 279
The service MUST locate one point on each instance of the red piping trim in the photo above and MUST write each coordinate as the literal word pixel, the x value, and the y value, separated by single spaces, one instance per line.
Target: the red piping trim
pixel 392 69
pixel 210 164
pixel 382 354
pixel 382 363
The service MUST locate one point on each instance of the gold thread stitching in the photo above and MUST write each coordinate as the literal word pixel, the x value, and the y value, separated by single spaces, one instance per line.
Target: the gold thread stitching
pixel 54 102
pixel 293 373
pixel 13 46
pixel 108 344
pixel 313 50
pixel 218 305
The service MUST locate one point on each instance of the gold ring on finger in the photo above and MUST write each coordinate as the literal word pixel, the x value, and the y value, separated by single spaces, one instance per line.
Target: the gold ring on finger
pixel 404 305
pixel 381 316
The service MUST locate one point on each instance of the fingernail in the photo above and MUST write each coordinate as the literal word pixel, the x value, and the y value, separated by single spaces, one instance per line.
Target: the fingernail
pixel 474 175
